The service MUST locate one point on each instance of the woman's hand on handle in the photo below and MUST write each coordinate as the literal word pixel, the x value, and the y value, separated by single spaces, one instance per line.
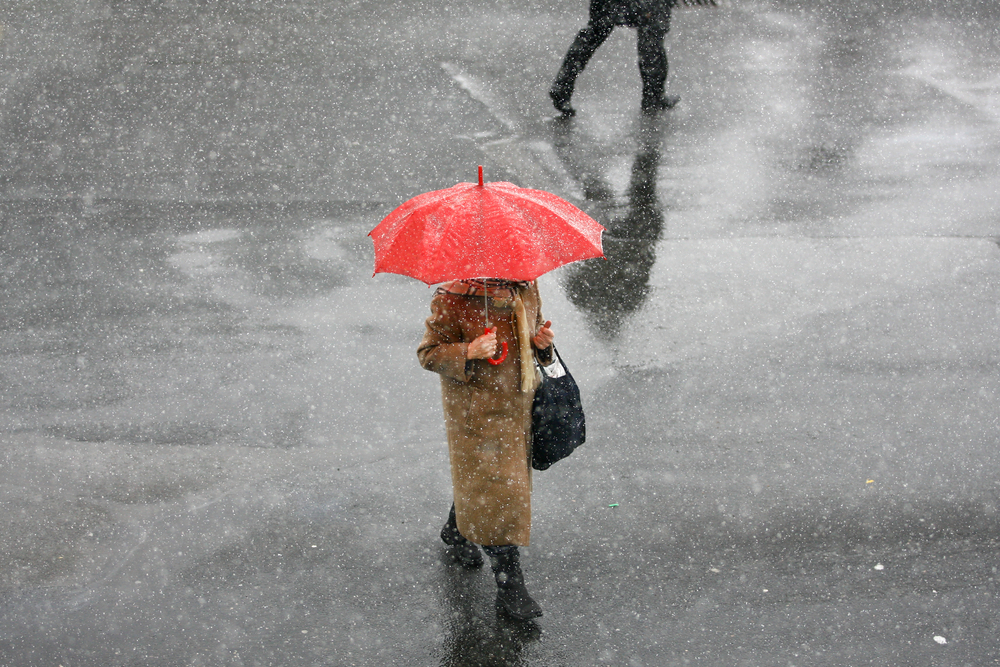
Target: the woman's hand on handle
pixel 544 337
pixel 483 347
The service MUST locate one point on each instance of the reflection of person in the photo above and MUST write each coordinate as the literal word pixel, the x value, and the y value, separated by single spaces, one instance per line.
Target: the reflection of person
pixel 475 639
pixel 487 410
pixel 611 290
pixel 651 19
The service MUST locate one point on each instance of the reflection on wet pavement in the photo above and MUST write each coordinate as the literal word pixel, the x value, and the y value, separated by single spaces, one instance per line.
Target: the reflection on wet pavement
pixel 117 305
pixel 477 633
pixel 609 291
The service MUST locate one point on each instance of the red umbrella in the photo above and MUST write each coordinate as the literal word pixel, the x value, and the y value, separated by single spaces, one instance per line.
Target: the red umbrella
pixel 484 230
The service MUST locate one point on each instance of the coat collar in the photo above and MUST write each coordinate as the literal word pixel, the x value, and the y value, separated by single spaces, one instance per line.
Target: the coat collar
pixel 501 292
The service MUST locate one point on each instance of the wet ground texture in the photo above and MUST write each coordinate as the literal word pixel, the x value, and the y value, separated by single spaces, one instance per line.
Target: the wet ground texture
pixel 217 447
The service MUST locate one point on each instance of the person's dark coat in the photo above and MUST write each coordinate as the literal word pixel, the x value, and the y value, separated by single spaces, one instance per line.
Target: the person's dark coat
pixel 633 13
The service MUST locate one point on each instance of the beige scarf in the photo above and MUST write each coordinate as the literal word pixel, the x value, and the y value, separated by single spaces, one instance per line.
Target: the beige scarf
pixel 529 374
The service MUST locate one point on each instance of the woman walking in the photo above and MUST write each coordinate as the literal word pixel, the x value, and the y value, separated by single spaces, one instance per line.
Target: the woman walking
pixel 487 410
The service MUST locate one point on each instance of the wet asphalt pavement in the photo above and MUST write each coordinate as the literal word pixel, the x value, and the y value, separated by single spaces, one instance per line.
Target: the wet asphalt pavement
pixel 216 445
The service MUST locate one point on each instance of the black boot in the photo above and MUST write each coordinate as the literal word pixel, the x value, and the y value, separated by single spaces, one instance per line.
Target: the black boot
pixel 560 100
pixel 462 550
pixel 512 596
pixel 651 105
pixel 562 88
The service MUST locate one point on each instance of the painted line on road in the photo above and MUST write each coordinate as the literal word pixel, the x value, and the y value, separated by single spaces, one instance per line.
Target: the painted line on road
pixel 480 93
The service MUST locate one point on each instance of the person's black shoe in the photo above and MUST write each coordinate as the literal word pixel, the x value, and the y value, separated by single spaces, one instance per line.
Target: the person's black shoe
pixel 466 554
pixel 560 100
pixel 461 550
pixel 513 598
pixel 655 104
pixel 512 595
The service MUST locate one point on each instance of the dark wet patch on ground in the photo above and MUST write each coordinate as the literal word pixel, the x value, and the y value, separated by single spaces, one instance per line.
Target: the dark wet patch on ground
pixel 156 433
pixel 40 540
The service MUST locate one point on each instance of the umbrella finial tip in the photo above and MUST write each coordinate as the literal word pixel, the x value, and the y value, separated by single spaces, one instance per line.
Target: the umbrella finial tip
pixel 480 175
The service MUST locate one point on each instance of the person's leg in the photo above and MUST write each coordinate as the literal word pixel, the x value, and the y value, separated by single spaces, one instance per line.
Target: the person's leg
pixel 462 550
pixel 512 595
pixel 580 52
pixel 653 68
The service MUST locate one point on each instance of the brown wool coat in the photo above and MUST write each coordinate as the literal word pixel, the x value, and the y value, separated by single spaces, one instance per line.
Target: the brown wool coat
pixel 487 415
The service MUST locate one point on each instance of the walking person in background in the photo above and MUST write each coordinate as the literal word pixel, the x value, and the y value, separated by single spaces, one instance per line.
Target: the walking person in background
pixel 651 19
pixel 487 410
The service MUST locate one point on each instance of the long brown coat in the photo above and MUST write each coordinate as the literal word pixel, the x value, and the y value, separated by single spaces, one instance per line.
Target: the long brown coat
pixel 486 411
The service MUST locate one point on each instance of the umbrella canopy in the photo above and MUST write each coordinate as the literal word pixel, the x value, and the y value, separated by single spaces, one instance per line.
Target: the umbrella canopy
pixel 491 230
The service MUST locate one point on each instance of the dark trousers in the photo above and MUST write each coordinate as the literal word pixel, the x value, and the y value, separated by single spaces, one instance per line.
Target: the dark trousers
pixel 652 58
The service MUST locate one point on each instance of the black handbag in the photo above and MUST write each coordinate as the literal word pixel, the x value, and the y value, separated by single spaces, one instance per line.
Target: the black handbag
pixel 557 422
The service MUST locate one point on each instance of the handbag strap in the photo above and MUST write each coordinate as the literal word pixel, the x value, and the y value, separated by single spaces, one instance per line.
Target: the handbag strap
pixel 557 361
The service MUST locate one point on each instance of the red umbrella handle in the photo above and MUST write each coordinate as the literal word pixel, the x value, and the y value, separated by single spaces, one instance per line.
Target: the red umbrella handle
pixel 503 354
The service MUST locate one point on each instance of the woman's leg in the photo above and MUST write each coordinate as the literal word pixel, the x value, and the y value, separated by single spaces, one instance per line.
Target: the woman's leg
pixel 653 69
pixel 512 595
pixel 586 43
